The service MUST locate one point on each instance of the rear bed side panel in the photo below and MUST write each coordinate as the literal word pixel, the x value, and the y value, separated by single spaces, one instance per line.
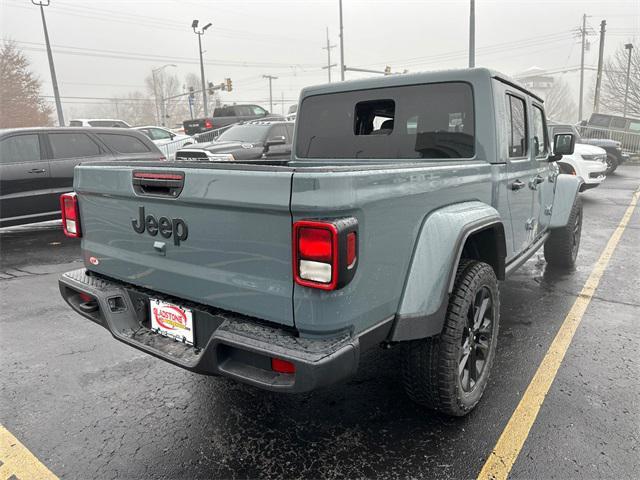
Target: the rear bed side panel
pixel 238 252
pixel 390 206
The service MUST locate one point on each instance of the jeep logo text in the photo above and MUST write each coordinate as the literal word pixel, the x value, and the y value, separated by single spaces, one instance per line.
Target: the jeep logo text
pixel 166 227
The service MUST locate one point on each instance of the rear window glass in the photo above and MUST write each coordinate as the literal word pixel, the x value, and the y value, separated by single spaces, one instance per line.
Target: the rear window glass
pixel 600 120
pixel 123 143
pixel 20 148
pixel 107 123
pixel 434 121
pixel 73 145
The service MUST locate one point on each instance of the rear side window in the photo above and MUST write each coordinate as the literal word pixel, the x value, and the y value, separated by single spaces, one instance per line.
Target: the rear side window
pixel 517 127
pixel 619 123
pixel 433 121
pixel 123 143
pixel 539 133
pixel 72 145
pixel 75 123
pixel 289 131
pixel 278 131
pixel 20 148
pixel 634 126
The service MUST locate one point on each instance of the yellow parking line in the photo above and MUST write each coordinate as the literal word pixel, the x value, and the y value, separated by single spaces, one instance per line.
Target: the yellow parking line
pixel 507 449
pixel 17 461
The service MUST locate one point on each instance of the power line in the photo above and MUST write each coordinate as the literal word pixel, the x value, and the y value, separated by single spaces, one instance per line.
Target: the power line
pixel 94 52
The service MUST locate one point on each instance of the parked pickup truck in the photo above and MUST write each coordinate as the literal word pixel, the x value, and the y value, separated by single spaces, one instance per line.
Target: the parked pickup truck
pixel 405 200
pixel 227 115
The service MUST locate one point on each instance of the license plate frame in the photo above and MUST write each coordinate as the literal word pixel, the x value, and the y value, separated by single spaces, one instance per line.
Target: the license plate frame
pixel 171 320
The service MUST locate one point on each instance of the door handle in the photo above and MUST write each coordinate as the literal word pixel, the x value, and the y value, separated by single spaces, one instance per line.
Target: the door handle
pixel 517 185
pixel 37 170
pixel 535 181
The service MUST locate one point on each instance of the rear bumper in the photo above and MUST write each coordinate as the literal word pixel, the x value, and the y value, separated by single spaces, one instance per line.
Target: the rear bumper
pixel 232 345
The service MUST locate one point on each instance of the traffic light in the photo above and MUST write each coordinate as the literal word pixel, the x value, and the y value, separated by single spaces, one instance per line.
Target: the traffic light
pixel 229 84
pixel 192 95
pixel 211 89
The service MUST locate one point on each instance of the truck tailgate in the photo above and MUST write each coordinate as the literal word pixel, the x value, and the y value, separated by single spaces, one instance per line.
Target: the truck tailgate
pixel 225 240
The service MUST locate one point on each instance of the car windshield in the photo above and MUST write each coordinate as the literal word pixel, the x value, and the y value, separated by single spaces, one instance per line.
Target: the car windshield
pixel 245 133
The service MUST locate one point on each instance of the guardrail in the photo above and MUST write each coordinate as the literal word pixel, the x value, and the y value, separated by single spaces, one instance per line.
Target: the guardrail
pixel 169 149
pixel 630 141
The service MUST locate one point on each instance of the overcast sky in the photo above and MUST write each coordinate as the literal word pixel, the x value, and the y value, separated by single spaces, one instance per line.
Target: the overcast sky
pixel 106 49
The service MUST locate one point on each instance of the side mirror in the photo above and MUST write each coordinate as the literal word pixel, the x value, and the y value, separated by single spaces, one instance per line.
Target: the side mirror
pixel 172 135
pixel 275 141
pixel 563 144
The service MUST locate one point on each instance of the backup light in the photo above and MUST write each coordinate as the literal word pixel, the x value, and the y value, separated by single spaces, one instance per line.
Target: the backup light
pixel 70 215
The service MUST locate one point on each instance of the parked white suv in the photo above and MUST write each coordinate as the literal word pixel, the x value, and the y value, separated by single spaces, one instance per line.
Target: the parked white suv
pixel 167 141
pixel 98 122
pixel 587 162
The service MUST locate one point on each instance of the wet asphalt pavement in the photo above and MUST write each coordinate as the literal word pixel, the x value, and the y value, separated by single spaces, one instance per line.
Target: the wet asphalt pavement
pixel 90 407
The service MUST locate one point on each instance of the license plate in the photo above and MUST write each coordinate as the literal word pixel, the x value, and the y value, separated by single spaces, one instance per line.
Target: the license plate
pixel 172 320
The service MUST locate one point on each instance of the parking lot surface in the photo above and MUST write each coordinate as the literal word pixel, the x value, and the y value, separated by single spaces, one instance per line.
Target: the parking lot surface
pixel 88 406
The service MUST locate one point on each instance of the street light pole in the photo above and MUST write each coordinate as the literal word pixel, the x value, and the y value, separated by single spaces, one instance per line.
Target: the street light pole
pixel 52 68
pixel 341 45
pixel 628 46
pixel 270 78
pixel 194 25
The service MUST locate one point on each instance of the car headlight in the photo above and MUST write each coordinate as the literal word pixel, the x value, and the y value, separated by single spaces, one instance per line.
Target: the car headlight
pixel 595 157
pixel 220 157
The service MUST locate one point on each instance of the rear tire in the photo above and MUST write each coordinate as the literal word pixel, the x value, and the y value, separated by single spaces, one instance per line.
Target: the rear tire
pixel 561 248
pixel 449 372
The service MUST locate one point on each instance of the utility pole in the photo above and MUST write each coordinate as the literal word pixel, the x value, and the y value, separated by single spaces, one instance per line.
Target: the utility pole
pixel 328 49
pixel 194 25
pixel 52 68
pixel 627 46
pixel 596 98
pixel 341 45
pixel 472 34
pixel 270 78
pixel 583 32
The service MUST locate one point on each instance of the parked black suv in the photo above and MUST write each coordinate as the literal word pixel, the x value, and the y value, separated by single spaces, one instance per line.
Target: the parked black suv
pixel 36 165
pixel 246 141
pixel 227 115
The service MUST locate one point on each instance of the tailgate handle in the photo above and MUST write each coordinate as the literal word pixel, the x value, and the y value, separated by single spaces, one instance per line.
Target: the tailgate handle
pixel 158 184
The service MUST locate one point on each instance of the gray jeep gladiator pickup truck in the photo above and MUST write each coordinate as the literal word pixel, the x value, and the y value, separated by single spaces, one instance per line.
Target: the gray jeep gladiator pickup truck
pixel 405 200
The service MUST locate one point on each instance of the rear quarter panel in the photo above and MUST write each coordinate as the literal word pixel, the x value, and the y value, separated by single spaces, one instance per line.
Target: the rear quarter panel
pixel 390 206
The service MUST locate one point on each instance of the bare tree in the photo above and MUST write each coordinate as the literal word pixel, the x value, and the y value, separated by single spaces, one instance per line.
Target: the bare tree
pixel 559 104
pixel 615 81
pixel 21 103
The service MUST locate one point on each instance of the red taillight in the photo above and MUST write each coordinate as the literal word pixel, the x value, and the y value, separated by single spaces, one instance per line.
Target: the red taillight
pixel 315 254
pixel 325 252
pixel 208 124
pixel 315 244
pixel 85 297
pixel 351 249
pixel 70 215
pixel 282 366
